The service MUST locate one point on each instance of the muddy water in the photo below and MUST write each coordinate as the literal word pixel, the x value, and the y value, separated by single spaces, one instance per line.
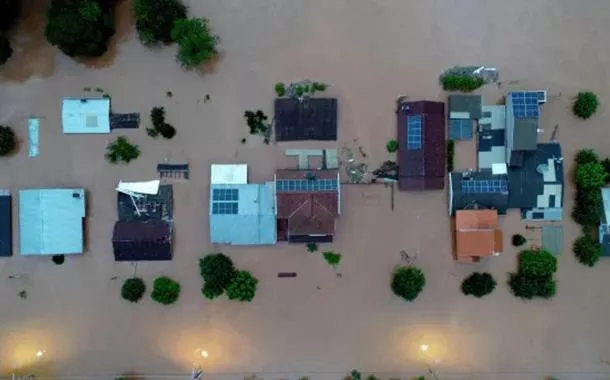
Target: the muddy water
pixel 318 324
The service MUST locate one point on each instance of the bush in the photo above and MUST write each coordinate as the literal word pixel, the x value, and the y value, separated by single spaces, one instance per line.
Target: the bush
pixel 527 286
pixel 133 289
pixel 590 176
pixel 587 250
pixel 5 50
pixel 122 151
pixel 519 240
pixel 58 259
pixel 7 140
pixel 408 282
pixel 280 89
pixel 537 263
pixel 312 247
pixel 80 28
pixel 157 116
pixel 155 19
pixel 392 146
pixel 165 290
pixel 257 122
pixel 242 287
pixel 585 105
pixel 464 83
pixel 478 284
pixel 160 127
pixel 217 271
pixel 450 155
pixel 196 44
pixel 586 156
pixel 167 131
pixel 333 259
pixel 587 207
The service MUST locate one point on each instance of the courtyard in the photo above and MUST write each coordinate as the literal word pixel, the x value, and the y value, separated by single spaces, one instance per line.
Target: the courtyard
pixel 318 324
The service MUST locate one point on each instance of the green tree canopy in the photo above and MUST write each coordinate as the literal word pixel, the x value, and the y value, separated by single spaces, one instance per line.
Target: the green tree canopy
pixel 590 176
pixel 196 44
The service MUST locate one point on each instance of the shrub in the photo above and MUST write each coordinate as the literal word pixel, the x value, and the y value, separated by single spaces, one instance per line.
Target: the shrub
pixel 133 289
pixel 312 247
pixel 333 259
pixel 537 263
pixel 160 127
pixel 242 287
pixel 280 89
pixel 165 290
pixel 587 250
pixel 372 377
pixel 122 151
pixel 408 282
pixel 519 240
pixel 80 28
pixel 196 44
pixel 464 83
pixel 217 271
pixel 167 131
pixel 527 286
pixel 585 105
pixel 478 284
pixel 157 116
pixel 5 50
pixel 58 259
pixel 257 122
pixel 7 140
pixel 155 19
pixel 450 155
pixel 586 156
pixel 392 146
pixel 317 86
pixel 587 210
pixel 590 176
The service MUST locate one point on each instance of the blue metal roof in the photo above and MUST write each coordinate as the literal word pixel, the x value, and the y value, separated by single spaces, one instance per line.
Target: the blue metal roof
pixel 606 203
pixel 86 115
pixel 51 221
pixel 253 223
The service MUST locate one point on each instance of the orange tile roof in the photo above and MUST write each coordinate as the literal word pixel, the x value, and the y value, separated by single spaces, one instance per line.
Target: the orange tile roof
pixel 476 233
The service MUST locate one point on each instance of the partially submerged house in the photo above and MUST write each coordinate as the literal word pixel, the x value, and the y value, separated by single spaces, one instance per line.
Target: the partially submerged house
pixel 421 145
pixel 144 231
pixel 6 224
pixel 464 112
pixel 51 221
pixel 522 124
pixel 306 119
pixel 604 226
pixel 85 115
pixel 477 235
pixel 240 213
pixel 472 190
pixel 308 204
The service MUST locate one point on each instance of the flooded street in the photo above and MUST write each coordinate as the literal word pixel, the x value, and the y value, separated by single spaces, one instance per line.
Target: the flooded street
pixel 317 325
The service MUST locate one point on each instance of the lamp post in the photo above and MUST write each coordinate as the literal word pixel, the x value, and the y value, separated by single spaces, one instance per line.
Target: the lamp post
pixel 197 373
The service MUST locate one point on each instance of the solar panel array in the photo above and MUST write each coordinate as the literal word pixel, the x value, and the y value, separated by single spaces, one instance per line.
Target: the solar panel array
pixel 306 185
pixel 414 132
pixel 461 129
pixel 525 104
pixel 485 186
pixel 224 201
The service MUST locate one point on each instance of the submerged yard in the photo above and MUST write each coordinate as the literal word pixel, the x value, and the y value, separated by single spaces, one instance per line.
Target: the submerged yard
pixel 318 324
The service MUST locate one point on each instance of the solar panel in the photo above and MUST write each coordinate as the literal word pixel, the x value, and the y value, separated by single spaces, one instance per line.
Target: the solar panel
pixel 224 208
pixel 414 132
pixel 305 185
pixel 225 195
pixel 485 186
pixel 525 104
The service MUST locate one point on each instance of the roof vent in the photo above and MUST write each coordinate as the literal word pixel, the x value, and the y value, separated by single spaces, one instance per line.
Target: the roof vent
pixel 542 168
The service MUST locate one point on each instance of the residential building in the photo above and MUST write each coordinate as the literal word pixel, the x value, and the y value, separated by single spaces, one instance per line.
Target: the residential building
pixel 464 112
pixel 306 119
pixel 604 226
pixel 472 190
pixel 85 115
pixel 240 213
pixel 308 204
pixel 421 145
pixel 477 235
pixel 51 221
pixel 6 224
pixel 522 124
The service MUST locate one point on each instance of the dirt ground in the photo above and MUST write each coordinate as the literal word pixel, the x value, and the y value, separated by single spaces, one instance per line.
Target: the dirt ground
pixel 317 325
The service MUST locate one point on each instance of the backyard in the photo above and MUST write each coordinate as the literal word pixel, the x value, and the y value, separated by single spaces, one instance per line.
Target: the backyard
pixel 326 321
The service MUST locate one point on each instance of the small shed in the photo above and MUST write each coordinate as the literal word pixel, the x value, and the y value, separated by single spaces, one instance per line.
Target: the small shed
pixel 6 224
pixel 51 221
pixel 85 115
pixel 142 240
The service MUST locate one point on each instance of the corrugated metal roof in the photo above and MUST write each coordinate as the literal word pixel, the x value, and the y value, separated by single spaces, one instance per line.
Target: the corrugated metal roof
pixel 254 223
pixel 86 115
pixel 606 201
pixel 222 174
pixel 51 221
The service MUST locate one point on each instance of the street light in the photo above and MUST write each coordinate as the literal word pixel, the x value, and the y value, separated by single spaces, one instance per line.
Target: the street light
pixel 424 347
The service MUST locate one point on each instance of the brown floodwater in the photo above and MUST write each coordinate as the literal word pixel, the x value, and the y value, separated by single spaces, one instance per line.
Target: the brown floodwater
pixel 317 325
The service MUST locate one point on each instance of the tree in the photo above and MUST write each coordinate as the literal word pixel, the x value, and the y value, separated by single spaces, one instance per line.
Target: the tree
pixel 590 176
pixel 165 290
pixel 155 19
pixel 392 146
pixel 587 207
pixel 464 83
pixel 585 105
pixel 408 282
pixel 122 151
pixel 527 286
pixel 6 51
pixel 537 263
pixel 333 259
pixel 217 271
pixel 519 240
pixel 196 44
pixel 586 156
pixel 280 89
pixel 478 284
pixel 312 247
pixel 80 27
pixel 7 140
pixel 242 287
pixel 587 250
pixel 133 289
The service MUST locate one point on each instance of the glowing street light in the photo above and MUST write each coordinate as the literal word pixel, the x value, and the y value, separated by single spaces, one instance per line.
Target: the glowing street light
pixel 204 354
pixel 424 347
pixel 40 353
